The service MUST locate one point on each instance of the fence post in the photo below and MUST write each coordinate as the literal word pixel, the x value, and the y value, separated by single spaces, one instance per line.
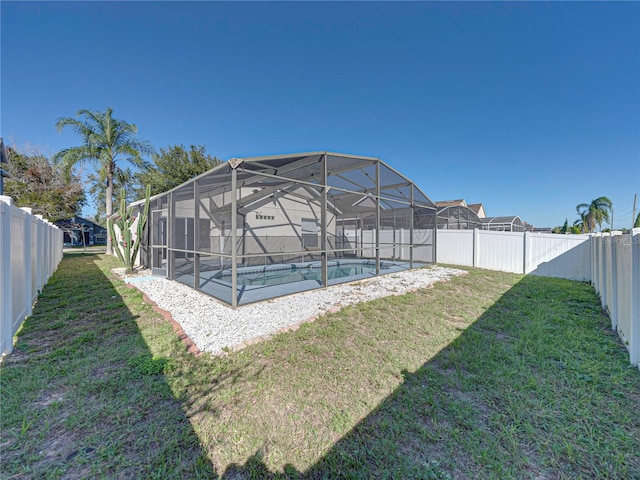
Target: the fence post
pixel 50 249
pixel 613 298
pixel 526 239
pixel 47 251
pixel 26 245
pixel 40 259
pixel 53 254
pixel 606 272
pixel 6 307
pixel 599 264
pixel 476 245
pixel 594 270
pixel 58 246
pixel 634 337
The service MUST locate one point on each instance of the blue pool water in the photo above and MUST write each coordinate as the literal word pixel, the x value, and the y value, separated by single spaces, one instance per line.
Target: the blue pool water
pixel 279 274
pixel 257 283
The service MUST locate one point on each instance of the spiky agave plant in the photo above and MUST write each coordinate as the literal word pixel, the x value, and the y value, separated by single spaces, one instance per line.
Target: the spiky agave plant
pixel 127 249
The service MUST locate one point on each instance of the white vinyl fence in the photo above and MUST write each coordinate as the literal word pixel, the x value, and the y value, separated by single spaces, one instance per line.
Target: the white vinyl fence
pixel 546 254
pixel 616 278
pixel 611 262
pixel 30 251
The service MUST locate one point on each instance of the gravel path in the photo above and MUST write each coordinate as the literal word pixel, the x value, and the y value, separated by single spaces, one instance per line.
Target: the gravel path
pixel 213 326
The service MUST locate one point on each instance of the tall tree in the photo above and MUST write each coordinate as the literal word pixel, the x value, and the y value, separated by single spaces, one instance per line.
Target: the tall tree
pixel 175 165
pixel 581 224
pixel 37 183
pixel 594 213
pixel 636 224
pixel 122 178
pixel 106 141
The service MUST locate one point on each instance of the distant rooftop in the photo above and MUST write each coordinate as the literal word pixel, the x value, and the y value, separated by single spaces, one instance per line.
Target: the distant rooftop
pixel 452 203
pixel 475 207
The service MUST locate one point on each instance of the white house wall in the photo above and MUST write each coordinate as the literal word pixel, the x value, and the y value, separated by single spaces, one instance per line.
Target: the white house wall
pixel 283 232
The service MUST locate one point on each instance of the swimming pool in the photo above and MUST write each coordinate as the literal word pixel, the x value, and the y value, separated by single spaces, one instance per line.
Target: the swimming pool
pixel 261 282
pixel 289 273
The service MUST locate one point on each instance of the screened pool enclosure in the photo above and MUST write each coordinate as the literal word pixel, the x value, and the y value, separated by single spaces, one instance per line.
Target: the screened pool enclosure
pixel 257 228
pixel 458 217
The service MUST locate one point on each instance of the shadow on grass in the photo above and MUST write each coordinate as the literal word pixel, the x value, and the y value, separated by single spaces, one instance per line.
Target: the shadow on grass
pixel 537 387
pixel 82 394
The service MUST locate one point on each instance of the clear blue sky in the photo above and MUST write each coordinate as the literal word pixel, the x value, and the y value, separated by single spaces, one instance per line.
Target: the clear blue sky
pixel 529 108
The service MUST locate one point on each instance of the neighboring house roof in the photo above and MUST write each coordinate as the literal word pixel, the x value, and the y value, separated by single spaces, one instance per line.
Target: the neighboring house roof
pixel 478 209
pixel 452 203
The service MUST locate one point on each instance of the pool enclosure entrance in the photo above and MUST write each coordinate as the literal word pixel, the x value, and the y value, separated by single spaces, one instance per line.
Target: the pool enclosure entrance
pixel 258 228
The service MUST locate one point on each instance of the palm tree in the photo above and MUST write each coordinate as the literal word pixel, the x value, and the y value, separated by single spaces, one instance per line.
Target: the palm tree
pixel 594 213
pixel 580 225
pixel 106 141
pixel 565 227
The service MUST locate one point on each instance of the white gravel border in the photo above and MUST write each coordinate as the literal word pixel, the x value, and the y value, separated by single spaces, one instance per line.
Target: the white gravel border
pixel 217 328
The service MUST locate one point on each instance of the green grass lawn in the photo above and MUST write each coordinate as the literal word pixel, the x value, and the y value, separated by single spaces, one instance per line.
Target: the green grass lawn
pixel 490 375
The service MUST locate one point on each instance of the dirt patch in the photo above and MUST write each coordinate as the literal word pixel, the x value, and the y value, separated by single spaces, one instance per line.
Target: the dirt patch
pixel 48 398
pixel 121 272
pixel 56 448
pixel 457 322
pixel 59 445
pixel 532 464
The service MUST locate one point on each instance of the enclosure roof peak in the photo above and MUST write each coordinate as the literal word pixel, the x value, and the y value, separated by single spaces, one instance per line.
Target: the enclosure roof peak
pixel 235 162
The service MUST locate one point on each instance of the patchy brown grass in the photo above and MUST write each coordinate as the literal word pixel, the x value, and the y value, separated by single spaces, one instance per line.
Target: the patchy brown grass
pixel 490 375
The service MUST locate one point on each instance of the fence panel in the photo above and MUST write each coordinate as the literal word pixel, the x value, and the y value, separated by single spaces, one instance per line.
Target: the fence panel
pixel 621 304
pixel 455 247
pixel 562 256
pixel 503 251
pixel 30 251
pixel 616 279
pixel 35 227
pixel 20 295
pixel 608 273
pixel 634 328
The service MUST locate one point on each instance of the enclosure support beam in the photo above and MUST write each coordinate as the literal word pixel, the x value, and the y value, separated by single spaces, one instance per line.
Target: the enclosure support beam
pixel 234 238
pixel 412 210
pixel 323 220
pixel 378 217
pixel 196 235
pixel 359 233
pixel 170 243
